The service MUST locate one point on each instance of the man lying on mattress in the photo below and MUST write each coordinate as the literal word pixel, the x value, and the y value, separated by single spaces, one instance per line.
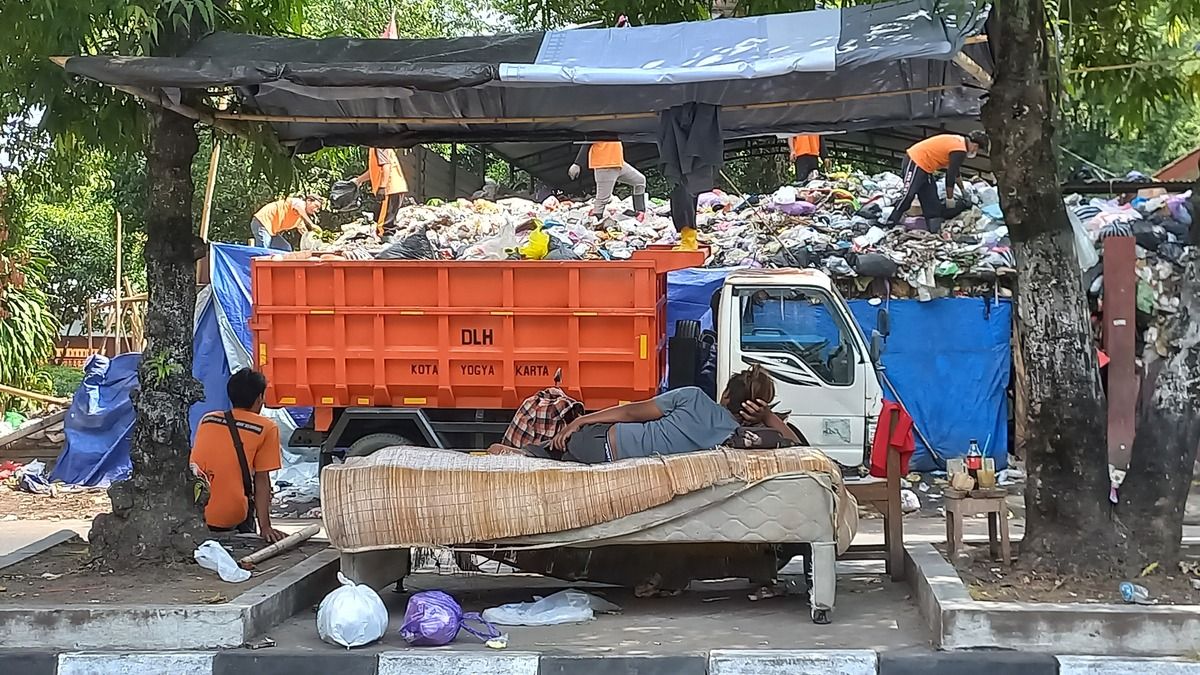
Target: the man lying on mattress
pixel 681 420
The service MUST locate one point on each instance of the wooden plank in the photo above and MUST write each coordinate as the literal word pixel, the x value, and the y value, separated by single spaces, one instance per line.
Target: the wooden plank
pixel 41 425
pixel 1120 309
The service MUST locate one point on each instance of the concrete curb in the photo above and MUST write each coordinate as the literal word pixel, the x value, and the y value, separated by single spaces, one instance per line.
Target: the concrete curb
pixel 34 548
pixel 182 627
pixel 453 662
pixel 959 622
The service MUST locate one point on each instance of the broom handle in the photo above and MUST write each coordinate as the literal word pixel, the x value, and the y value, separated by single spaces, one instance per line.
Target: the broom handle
pixel 289 542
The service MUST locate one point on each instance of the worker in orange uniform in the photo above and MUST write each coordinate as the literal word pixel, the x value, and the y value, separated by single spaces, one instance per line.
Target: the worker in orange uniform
pixel 944 152
pixel 806 151
pixel 387 183
pixel 608 165
pixel 235 451
pixel 270 222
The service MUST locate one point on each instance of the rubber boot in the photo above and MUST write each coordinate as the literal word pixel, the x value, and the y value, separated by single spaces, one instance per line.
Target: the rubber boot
pixel 687 240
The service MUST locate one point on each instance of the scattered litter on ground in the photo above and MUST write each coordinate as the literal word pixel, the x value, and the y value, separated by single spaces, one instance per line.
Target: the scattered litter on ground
pixel 569 606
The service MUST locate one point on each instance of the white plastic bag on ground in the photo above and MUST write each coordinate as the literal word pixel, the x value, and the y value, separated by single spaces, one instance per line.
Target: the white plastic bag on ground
pixel 212 556
pixel 569 606
pixel 351 616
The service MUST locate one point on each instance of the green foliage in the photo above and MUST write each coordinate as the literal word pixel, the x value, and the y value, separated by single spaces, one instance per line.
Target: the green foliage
pixel 27 328
pixel 64 380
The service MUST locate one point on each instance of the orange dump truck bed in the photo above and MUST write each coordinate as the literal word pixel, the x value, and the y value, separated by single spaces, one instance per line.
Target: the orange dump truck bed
pixel 434 334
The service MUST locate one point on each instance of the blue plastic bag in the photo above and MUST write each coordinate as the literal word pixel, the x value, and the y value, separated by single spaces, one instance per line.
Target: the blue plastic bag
pixel 433 619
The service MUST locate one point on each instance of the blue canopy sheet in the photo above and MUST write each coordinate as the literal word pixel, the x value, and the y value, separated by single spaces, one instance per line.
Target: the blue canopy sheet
pixel 99 423
pixel 948 359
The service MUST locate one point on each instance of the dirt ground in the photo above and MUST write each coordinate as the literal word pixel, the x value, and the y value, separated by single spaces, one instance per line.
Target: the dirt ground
pixel 67 574
pixel 75 505
pixel 988 580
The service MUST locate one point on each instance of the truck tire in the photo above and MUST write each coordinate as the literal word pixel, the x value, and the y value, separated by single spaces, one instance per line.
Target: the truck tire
pixel 370 443
pixel 683 352
pixel 687 328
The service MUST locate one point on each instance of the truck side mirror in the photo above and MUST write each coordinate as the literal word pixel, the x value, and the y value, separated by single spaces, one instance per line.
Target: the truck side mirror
pixel 883 324
pixel 876 346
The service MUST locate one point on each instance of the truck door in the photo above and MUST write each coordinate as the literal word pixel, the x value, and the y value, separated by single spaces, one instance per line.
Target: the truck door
pixel 805 339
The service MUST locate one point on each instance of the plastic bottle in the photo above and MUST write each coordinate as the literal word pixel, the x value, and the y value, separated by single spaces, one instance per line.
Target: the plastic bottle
pixel 1134 593
pixel 974 460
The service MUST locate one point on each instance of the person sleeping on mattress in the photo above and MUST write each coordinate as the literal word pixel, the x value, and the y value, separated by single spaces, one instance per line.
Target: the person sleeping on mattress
pixel 678 421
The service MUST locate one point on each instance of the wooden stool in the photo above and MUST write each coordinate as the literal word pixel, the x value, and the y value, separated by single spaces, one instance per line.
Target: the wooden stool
pixel 991 502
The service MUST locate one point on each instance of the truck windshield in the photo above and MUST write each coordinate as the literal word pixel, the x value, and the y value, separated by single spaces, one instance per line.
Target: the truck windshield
pixel 783 325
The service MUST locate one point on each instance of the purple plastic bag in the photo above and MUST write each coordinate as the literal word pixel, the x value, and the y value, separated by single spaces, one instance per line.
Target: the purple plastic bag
pixel 433 619
pixel 796 208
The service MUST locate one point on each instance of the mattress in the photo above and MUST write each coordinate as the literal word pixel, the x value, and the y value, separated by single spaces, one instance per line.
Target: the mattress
pixel 407 496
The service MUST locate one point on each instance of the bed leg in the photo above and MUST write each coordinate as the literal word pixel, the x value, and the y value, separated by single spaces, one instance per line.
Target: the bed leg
pixel 824 578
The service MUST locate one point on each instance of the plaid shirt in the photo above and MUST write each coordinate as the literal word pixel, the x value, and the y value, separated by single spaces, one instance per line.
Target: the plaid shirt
pixel 540 417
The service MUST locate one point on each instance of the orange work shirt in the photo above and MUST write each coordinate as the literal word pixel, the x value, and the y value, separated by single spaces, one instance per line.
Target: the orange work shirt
pixel 213 453
pixel 806 145
pixel 383 167
pixel 933 153
pixel 606 155
pixel 282 215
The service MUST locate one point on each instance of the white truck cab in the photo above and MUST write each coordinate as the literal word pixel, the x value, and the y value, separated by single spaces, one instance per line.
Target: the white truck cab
pixel 795 324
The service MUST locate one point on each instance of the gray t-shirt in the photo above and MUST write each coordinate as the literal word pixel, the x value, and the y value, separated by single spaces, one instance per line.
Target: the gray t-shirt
pixel 691 421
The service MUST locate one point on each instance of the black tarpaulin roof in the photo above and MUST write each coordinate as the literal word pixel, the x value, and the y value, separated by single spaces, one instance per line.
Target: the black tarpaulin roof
pixel 852 69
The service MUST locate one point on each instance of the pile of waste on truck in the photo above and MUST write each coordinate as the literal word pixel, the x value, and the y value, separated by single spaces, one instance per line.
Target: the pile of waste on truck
pixel 837 224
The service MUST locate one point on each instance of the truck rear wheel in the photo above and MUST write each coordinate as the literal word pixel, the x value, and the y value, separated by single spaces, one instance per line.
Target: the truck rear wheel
pixel 370 443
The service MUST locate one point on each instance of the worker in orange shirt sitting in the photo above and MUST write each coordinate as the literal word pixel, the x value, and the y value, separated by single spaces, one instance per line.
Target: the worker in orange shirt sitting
pixel 944 152
pixel 388 184
pixel 271 221
pixel 608 165
pixel 236 451
pixel 806 151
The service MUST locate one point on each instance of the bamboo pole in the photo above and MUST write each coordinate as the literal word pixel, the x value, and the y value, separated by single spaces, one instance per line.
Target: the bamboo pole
pixel 33 395
pixel 91 333
pixel 206 214
pixel 973 69
pixel 300 119
pixel 137 297
pixel 120 246
pixel 287 543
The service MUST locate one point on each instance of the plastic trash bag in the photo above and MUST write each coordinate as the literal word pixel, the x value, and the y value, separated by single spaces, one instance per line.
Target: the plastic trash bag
pixel 415 246
pixel 1085 250
pixel 352 615
pixel 569 606
pixel 212 556
pixel 433 619
pixel 343 196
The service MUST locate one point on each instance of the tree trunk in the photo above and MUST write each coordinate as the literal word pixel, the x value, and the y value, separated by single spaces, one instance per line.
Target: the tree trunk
pixel 1068 524
pixel 1154 494
pixel 154 516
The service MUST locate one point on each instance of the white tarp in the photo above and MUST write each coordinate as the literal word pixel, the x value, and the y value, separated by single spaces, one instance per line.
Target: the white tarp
pixel 701 51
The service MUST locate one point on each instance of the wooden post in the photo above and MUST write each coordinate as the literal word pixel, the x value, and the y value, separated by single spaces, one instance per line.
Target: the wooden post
pixel 1119 336
pixel 893 524
pixel 91 334
pixel 117 307
pixel 206 214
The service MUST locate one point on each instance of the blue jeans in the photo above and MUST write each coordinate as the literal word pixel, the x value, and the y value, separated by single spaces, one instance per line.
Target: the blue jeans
pixel 264 239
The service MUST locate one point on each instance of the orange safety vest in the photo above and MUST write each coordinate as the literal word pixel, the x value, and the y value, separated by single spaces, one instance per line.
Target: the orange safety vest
pixel 280 216
pixel 806 145
pixel 933 153
pixel 606 155
pixel 396 183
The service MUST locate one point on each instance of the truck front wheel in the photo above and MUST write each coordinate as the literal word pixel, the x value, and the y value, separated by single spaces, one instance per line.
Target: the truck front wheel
pixel 372 442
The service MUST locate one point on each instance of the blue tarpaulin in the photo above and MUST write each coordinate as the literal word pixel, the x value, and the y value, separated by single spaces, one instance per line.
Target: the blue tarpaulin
pixel 99 423
pixel 949 360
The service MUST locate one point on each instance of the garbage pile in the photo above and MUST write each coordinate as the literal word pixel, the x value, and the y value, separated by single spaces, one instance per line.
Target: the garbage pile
pixel 837 224
pixel 1159 223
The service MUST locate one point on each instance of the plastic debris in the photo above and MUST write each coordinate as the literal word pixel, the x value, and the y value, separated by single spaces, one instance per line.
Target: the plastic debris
pixel 212 556
pixel 351 615
pixel 1135 594
pixel 569 606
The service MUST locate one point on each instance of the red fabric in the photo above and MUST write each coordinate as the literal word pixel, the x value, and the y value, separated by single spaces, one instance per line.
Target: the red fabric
pixel 540 417
pixel 901 437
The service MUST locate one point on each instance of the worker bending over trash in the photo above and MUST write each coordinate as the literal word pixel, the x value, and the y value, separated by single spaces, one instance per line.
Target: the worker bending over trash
pixel 388 184
pixel 944 152
pixel 270 222
pixel 608 165
pixel 234 453
pixel 678 421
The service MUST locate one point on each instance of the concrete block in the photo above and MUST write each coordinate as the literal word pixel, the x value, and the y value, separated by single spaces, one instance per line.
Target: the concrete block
pixel 695 664
pixel 784 662
pixel 1104 665
pixel 993 662
pixel 177 663
pixel 377 569
pixel 458 663
pixel 274 662
pixel 28 663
